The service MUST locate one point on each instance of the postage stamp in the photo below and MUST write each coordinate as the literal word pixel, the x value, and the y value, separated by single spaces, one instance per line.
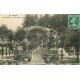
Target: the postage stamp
pixel 73 21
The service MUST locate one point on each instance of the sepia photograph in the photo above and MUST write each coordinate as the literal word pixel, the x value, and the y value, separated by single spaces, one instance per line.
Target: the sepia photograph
pixel 39 39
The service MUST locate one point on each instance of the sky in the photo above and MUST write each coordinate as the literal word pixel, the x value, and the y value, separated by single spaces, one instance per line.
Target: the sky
pixel 12 21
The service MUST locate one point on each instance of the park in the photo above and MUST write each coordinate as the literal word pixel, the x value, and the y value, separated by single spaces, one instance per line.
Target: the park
pixel 42 40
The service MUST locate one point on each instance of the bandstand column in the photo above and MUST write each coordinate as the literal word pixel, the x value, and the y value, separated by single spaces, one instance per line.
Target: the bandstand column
pixel 26 41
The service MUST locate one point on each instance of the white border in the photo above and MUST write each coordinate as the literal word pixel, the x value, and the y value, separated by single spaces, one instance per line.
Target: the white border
pixel 40 6
pixel 39 72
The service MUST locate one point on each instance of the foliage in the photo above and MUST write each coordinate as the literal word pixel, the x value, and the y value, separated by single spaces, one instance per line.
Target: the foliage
pixel 19 35
pixel 59 22
pixel 5 33
pixel 10 35
pixel 44 21
pixel 72 39
pixel 29 20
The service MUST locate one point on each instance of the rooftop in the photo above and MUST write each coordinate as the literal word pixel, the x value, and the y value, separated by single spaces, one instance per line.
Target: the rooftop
pixel 39 27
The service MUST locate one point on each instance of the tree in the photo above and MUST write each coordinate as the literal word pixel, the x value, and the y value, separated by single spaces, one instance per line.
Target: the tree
pixel 10 35
pixel 20 34
pixel 59 22
pixel 44 21
pixel 4 31
pixel 29 20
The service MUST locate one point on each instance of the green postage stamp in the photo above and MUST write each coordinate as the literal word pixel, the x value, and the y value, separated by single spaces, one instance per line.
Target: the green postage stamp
pixel 73 21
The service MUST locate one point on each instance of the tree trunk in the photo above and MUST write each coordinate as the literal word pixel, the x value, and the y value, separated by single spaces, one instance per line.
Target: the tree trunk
pixel 2 52
pixel 77 55
pixel 6 51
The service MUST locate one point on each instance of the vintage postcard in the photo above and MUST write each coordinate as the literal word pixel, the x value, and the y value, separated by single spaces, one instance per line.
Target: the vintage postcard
pixel 39 39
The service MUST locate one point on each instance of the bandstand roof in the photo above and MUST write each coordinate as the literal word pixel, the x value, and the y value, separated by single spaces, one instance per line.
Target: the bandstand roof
pixel 39 27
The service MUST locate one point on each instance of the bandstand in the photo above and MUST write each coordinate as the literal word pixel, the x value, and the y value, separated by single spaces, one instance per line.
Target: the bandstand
pixel 40 36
